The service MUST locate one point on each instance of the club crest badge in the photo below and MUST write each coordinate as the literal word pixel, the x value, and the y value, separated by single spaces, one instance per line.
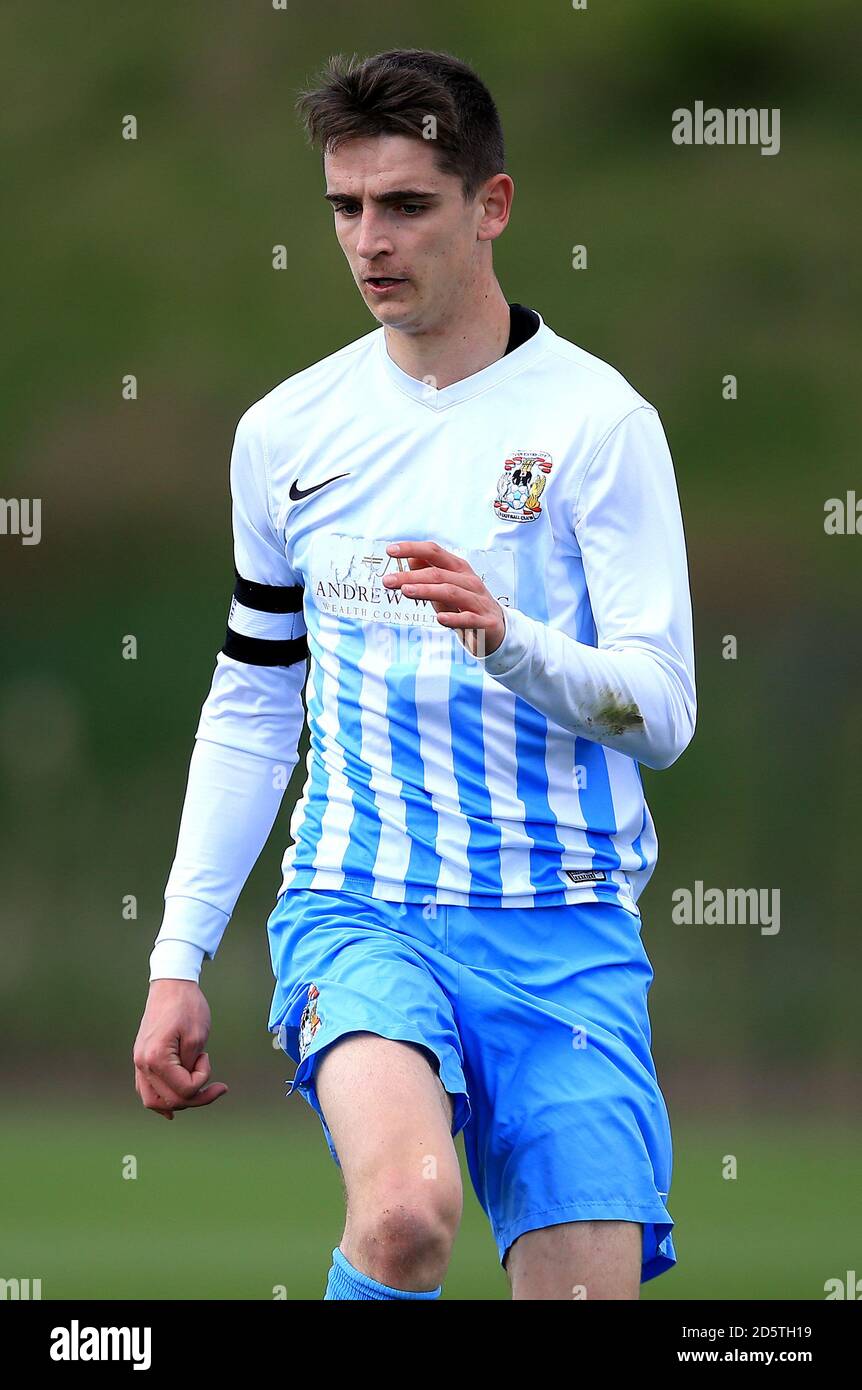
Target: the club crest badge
pixel 310 1021
pixel 521 484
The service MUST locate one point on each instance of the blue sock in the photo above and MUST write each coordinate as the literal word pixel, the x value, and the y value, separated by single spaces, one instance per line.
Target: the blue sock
pixel 345 1283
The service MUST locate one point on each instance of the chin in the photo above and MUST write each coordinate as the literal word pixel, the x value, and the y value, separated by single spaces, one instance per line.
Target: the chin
pixel 393 315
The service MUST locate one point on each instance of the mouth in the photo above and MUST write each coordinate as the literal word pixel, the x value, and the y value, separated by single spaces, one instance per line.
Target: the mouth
pixel 383 284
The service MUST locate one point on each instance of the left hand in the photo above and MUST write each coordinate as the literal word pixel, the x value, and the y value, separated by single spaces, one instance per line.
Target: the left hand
pixel 456 593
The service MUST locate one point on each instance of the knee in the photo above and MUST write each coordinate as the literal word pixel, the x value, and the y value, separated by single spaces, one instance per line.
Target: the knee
pixel 405 1231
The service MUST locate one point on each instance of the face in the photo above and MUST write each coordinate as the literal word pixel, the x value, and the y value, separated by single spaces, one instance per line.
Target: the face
pixel 426 238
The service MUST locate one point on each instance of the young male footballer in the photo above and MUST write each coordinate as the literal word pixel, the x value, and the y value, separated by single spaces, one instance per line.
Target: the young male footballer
pixel 460 536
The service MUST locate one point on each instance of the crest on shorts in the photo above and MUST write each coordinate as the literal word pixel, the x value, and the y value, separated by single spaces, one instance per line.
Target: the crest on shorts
pixel 310 1021
pixel 521 484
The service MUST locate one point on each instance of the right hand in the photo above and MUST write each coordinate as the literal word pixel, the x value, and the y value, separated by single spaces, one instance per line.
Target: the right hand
pixel 171 1067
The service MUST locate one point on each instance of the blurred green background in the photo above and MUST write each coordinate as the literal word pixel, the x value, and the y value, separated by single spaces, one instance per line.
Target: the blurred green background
pixel 153 257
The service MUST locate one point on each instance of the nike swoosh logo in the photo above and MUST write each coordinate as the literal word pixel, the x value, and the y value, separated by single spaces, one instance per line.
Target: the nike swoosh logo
pixel 297 493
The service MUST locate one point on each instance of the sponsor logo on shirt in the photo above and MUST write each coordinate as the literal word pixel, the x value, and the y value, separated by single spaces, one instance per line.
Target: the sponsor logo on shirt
pixel 521 484
pixel 585 875
pixel 346 579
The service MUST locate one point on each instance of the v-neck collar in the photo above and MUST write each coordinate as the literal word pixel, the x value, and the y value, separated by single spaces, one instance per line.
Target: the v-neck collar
pixel 508 365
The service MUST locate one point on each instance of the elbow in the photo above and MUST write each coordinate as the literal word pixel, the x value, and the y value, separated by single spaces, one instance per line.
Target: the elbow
pixel 653 721
pixel 663 752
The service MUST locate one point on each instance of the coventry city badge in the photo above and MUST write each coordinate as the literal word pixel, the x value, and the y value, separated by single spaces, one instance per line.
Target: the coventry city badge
pixel 310 1021
pixel 521 484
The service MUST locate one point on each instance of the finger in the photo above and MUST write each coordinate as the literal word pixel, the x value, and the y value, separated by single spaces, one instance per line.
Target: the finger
pixel 206 1096
pixel 442 560
pixel 170 1080
pixel 428 551
pixel 193 1056
pixel 200 1069
pixel 433 574
pixel 464 619
pixel 443 593
pixel 189 1091
pixel 154 1101
pixel 149 1093
pixel 200 1074
pixel 151 1099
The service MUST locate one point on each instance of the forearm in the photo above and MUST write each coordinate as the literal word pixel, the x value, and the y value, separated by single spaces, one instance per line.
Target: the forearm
pixel 231 803
pixel 246 747
pixel 638 700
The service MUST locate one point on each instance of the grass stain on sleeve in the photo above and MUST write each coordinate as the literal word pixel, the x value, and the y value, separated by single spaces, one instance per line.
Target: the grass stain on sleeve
pixel 616 717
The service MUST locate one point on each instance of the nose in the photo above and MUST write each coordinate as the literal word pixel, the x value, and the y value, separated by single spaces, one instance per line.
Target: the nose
pixel 372 240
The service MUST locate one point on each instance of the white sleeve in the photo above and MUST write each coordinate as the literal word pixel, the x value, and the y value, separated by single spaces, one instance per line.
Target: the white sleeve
pixel 247 739
pixel 635 690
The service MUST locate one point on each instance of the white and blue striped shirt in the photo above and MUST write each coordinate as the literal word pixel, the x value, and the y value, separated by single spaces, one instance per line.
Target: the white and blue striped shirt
pixel 433 776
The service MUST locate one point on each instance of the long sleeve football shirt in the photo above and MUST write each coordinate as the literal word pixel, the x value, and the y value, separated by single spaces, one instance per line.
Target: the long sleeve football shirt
pixel 506 780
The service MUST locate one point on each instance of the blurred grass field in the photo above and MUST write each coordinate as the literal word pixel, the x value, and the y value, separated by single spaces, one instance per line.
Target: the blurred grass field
pixel 232 1201
pixel 153 257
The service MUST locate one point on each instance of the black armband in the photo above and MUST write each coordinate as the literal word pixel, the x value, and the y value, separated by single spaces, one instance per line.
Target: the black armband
pixel 265 625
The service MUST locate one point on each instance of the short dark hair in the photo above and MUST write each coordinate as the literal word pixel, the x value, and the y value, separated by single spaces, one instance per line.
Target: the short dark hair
pixel 394 93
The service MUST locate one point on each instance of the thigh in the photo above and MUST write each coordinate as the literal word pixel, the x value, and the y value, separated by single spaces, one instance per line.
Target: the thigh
pixel 388 1113
pixel 360 973
pixel 577 1260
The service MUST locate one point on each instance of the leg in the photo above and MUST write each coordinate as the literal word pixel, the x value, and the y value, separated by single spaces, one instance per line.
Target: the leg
pixel 578 1259
pixel 391 1123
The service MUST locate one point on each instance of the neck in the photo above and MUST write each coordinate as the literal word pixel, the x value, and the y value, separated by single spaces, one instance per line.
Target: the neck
pixel 472 336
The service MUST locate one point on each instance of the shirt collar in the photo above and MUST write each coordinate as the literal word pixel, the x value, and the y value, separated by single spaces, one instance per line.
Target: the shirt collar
pixel 508 365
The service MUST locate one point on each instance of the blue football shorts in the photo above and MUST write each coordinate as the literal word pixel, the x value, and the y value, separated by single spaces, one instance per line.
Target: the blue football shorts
pixel 537 1018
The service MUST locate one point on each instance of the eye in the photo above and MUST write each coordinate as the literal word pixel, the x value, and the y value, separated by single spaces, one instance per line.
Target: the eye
pixel 418 207
pixel 347 208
